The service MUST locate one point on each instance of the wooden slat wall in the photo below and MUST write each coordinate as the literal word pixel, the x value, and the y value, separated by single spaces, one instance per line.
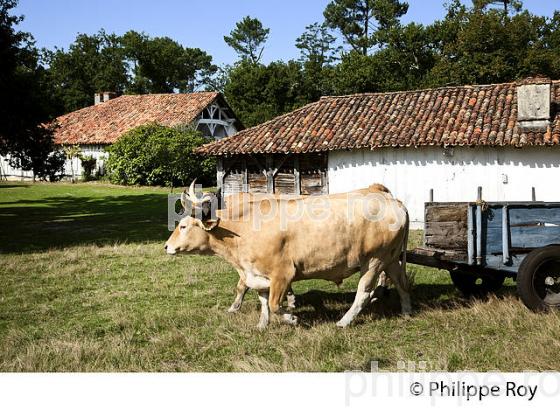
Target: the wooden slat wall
pixel 256 176
pixel 313 179
pixel 446 226
pixel 284 183
pixel 284 180
pixel 233 182
pixel 234 176
pixel 257 182
pixel 313 174
pixel 312 184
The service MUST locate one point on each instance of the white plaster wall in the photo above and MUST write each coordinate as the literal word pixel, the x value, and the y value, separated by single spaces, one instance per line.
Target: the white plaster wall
pixel 97 151
pixel 505 174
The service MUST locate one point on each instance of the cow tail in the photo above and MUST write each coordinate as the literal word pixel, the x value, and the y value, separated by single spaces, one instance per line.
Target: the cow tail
pixel 407 279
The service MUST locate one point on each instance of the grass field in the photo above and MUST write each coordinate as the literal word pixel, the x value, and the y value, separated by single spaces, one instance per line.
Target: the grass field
pixel 85 286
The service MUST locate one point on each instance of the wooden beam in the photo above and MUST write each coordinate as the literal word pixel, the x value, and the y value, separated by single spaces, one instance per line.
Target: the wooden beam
pixel 296 175
pixel 245 186
pixel 275 170
pixel 326 174
pixel 269 174
pixel 220 175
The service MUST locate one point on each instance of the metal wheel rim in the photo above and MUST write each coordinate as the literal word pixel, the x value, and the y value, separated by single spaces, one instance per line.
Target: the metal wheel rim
pixel 547 291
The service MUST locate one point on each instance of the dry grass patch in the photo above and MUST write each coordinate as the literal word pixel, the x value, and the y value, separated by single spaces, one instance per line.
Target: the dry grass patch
pixel 129 307
pixel 109 299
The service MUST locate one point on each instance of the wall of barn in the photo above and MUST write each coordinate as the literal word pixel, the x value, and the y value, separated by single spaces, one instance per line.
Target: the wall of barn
pixel 97 151
pixel 285 174
pixel 505 174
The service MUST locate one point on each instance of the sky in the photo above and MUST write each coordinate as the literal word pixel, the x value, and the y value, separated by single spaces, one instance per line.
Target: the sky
pixel 201 24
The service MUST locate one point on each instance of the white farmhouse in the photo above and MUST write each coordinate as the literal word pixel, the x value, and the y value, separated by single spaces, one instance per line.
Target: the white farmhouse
pixel 94 128
pixel 449 141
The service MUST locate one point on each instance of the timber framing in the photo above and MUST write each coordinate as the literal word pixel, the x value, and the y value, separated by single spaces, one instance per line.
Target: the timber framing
pixel 290 174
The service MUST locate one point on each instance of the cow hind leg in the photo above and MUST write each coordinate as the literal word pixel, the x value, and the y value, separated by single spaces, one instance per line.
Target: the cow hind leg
pixel 364 292
pixel 399 279
pixel 240 291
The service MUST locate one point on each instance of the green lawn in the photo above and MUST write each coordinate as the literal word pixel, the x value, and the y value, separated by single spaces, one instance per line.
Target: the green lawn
pixel 85 286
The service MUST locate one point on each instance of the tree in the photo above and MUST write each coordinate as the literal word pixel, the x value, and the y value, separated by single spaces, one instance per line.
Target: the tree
pixel 363 23
pixel 93 63
pixel 248 39
pixel 217 81
pixel 482 45
pixel 156 155
pixel 258 93
pixel 162 65
pixel 25 97
pixel 516 5
pixel 72 152
pixel 317 45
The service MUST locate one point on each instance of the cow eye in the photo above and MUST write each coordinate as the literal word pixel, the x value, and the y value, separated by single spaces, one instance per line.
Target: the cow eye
pixel 181 227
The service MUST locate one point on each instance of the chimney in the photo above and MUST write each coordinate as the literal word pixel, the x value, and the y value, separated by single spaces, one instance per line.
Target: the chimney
pixel 103 97
pixel 534 104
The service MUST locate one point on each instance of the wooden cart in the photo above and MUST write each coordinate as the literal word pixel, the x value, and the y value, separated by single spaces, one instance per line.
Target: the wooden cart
pixel 482 243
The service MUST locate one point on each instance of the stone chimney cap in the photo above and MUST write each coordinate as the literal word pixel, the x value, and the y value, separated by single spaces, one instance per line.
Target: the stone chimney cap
pixel 534 104
pixel 537 79
pixel 104 96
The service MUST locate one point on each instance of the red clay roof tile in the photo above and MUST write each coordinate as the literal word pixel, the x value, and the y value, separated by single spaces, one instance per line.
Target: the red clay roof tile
pixel 104 123
pixel 465 115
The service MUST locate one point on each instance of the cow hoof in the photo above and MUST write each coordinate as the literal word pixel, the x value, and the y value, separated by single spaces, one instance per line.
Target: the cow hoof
pixel 291 301
pixel 234 308
pixel 262 326
pixel 290 319
pixel 342 323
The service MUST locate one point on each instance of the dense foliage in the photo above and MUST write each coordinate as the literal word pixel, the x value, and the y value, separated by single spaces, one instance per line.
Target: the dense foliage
pixel 156 155
pixel 487 42
pixel 248 38
pixel 361 46
pixel 25 98
pixel 133 63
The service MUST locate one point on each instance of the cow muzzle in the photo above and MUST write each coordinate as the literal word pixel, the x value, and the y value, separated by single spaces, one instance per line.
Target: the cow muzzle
pixel 170 250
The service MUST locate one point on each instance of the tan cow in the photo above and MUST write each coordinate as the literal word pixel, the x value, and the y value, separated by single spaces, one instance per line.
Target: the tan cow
pixel 272 243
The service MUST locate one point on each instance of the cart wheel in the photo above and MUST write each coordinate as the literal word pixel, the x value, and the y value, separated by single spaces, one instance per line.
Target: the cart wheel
pixel 538 278
pixel 471 285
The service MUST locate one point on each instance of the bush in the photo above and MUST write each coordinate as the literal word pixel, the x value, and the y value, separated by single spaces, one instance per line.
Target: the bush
pixel 156 155
pixel 88 166
pixel 53 168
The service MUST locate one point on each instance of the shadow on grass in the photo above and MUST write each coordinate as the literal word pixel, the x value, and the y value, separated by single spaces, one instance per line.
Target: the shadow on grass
pixel 55 222
pixel 319 306
pixel 4 185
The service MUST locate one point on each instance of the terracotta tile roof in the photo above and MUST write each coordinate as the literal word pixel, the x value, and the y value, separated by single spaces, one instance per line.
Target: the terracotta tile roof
pixel 465 115
pixel 104 123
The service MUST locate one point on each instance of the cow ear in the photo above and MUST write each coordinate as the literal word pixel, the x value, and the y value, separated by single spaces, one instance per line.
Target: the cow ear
pixel 209 224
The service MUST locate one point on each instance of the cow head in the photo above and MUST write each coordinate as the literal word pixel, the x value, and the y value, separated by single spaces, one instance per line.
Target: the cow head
pixel 192 233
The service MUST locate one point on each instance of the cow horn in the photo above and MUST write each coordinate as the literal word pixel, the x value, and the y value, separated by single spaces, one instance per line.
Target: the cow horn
pixel 184 199
pixel 192 195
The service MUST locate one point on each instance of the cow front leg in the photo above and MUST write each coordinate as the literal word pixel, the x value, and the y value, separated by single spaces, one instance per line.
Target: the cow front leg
pixel 363 294
pixel 264 318
pixel 380 288
pixel 240 291
pixel 291 298
pixel 278 288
